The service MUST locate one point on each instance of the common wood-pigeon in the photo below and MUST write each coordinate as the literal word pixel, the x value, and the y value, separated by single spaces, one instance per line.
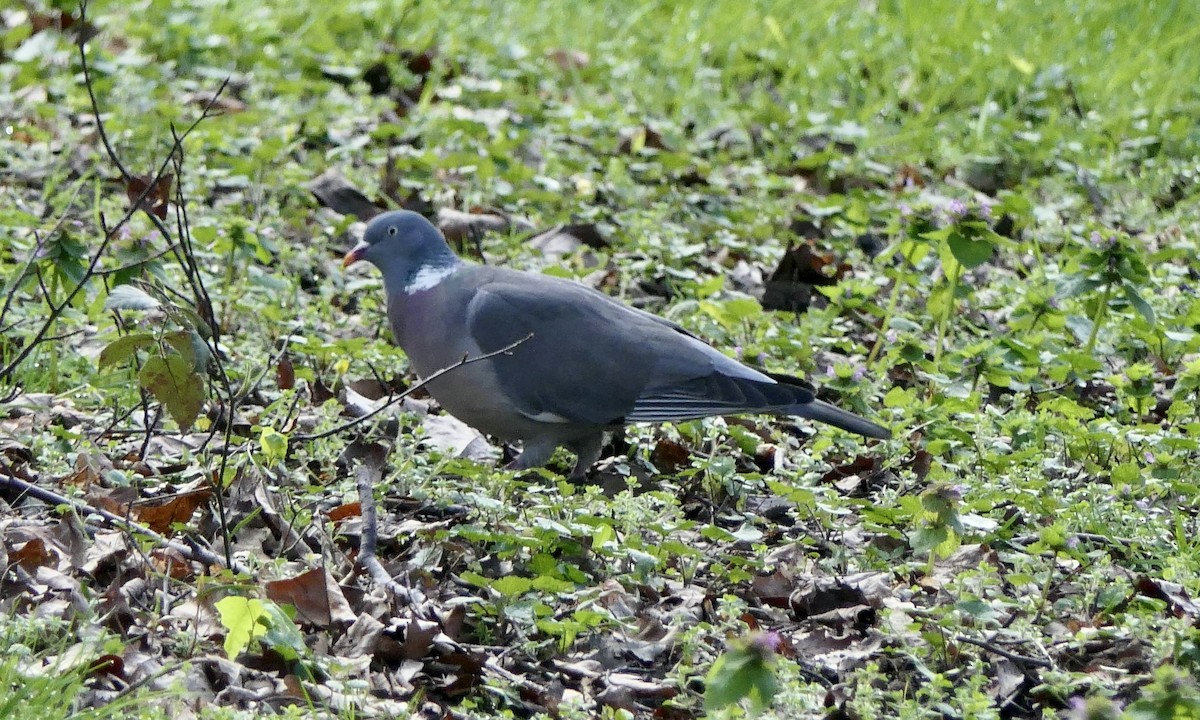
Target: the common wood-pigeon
pixel 589 363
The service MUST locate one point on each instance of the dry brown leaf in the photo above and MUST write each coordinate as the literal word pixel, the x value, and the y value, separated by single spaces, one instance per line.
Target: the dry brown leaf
pixel 799 270
pixel 160 514
pixel 418 638
pixel 774 589
pixel 670 457
pixel 341 512
pixel 156 198
pixel 62 22
pixel 285 373
pixel 1173 594
pixel 459 226
pixel 107 549
pixel 361 638
pixel 815 595
pixel 172 563
pixel 32 555
pixel 317 597
pixel 295 688
pixel 454 438
pixel 89 468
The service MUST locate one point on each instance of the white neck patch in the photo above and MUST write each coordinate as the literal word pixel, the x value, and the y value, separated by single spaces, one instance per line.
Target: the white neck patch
pixel 428 277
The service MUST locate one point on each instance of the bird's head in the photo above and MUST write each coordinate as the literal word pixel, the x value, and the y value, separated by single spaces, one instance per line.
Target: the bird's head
pixel 409 251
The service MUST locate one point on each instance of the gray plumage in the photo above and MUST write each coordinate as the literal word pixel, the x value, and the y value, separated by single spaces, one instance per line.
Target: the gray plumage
pixel 590 363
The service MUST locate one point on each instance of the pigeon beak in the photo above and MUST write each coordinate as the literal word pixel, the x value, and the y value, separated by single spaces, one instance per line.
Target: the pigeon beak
pixel 358 252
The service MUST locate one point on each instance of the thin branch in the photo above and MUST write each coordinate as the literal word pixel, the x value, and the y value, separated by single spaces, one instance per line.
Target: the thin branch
pixel 187 261
pixel 138 204
pixel 466 360
pixel 367 477
pixel 136 263
pixel 87 82
pixel 88 513
pixel 18 276
pixel 1006 654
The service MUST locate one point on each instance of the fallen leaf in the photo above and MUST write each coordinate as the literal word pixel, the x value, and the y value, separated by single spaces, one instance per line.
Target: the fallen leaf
pixel 818 595
pixel 337 193
pixel 317 597
pixel 341 512
pixel 32 555
pixel 108 665
pixel 790 286
pixel 285 374
pixel 564 240
pixel 670 457
pixel 1173 594
pixel 160 514
pixel 454 438
pixel 459 226
pixel 172 563
pixel 61 21
pixel 774 589
pixel 418 638
pixel 361 638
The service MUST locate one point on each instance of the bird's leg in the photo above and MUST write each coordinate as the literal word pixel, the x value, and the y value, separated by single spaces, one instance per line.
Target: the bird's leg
pixel 533 454
pixel 587 451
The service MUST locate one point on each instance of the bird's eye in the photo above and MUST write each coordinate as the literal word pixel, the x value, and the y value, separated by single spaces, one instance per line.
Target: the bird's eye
pixel 392 230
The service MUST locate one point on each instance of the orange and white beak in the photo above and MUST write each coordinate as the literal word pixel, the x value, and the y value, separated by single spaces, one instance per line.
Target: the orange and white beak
pixel 358 252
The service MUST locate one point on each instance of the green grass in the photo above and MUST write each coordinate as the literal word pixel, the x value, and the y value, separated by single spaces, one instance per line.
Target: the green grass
pixel 45 670
pixel 1042 378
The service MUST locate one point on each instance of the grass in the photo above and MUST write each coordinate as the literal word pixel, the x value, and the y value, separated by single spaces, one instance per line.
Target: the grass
pixel 1027 323
pixel 45 671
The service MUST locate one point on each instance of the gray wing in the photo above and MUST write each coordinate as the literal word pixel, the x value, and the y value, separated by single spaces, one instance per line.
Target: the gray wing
pixel 726 388
pixel 579 363
pixel 593 360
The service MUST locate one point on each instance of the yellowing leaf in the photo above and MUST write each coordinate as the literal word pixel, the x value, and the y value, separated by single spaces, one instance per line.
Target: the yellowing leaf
pixel 274 444
pixel 172 382
pixel 245 619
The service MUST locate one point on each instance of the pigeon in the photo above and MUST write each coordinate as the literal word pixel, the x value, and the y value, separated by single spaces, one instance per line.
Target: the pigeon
pixel 579 363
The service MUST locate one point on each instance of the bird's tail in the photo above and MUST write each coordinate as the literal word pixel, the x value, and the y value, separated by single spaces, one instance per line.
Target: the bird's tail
pixel 839 418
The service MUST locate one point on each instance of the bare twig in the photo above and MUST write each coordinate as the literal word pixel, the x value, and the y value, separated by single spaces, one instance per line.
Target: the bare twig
pixel 466 360
pixel 367 477
pixel 184 254
pixel 87 82
pixel 130 266
pixel 1007 654
pixel 191 552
